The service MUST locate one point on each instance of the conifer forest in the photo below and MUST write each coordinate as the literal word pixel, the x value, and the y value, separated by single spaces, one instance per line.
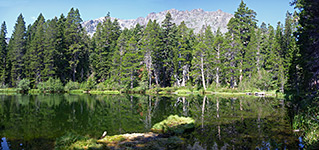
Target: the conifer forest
pixel 246 57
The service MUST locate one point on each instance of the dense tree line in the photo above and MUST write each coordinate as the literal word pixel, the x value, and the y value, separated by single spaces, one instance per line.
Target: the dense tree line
pixel 303 84
pixel 156 55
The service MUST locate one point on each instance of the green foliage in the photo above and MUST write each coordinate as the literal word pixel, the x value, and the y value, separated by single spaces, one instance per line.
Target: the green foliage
pixel 90 83
pixel 71 86
pixel 76 142
pixel 9 90
pixel 163 55
pixel 76 91
pixel 24 84
pixel 3 54
pixel 17 49
pixel 262 81
pixel 174 124
pixel 52 85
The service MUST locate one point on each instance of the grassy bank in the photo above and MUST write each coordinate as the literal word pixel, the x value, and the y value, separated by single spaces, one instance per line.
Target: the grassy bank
pixel 154 91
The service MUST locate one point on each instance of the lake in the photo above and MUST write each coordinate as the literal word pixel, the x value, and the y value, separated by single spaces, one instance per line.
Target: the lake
pixel 247 122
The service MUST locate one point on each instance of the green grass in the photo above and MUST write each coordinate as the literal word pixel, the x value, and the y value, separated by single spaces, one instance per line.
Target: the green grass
pixel 10 90
pixel 105 92
pixel 76 91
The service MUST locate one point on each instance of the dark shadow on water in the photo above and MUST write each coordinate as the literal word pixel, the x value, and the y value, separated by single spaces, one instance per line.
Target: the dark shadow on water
pixel 35 122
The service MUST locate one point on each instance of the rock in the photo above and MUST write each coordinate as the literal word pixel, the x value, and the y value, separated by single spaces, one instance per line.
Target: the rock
pixel 194 19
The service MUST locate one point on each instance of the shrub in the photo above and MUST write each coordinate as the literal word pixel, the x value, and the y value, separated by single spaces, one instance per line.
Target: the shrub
pixel 3 86
pixel 52 85
pixel 71 86
pixel 24 84
pixel 90 83
pixel 111 85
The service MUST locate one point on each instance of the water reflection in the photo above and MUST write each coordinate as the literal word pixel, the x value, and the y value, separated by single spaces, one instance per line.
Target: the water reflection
pixel 34 122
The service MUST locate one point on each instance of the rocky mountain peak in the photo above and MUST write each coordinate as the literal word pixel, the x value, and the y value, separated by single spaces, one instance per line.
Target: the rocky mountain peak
pixel 195 19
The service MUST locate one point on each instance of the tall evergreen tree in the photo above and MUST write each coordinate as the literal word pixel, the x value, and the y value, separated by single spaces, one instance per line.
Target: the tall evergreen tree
pixel 118 55
pixel 75 46
pixel 184 48
pixel 33 59
pixel 131 61
pixel 219 56
pixel 240 27
pixel 199 63
pixel 208 39
pixel 151 47
pixel 169 52
pixel 61 59
pixel 105 39
pixel 3 53
pixel 50 52
pixel 304 71
pixel 17 49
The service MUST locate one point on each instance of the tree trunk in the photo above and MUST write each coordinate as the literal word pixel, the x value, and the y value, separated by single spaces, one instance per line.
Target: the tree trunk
pixel 156 78
pixel 241 71
pixel 73 73
pixel 184 75
pixel 218 63
pixel 150 76
pixel 131 79
pixel 258 60
pixel 203 110
pixel 217 107
pixel 202 71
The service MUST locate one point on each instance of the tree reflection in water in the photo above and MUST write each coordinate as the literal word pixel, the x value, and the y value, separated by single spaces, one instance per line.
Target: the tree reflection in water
pixel 35 121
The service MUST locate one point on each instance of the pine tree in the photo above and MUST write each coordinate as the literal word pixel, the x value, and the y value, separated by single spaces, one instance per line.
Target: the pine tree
pixel 304 70
pixel 61 59
pixel 105 39
pixel 3 53
pixel 199 64
pixel 169 52
pixel 33 58
pixel 209 39
pixel 50 49
pixel 251 55
pixel 118 55
pixel 131 61
pixel 17 48
pixel 240 27
pixel 219 56
pixel 75 46
pixel 151 48
pixel 184 48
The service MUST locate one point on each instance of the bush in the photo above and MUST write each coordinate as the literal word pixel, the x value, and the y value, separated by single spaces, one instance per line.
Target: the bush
pixel 111 85
pixel 3 86
pixel 90 83
pixel 71 86
pixel 52 85
pixel 24 84
pixel 264 81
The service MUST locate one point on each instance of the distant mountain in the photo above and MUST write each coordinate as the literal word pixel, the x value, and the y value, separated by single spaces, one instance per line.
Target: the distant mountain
pixel 195 19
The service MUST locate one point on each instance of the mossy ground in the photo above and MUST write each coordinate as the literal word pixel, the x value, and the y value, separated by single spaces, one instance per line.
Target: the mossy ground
pixel 174 124
pixel 142 141
pixel 150 140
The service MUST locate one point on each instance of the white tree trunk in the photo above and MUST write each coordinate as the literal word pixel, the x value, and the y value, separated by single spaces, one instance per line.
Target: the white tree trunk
pixel 202 71
pixel 217 68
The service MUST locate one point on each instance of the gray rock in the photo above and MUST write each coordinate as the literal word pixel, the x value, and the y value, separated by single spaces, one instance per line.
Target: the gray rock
pixel 195 19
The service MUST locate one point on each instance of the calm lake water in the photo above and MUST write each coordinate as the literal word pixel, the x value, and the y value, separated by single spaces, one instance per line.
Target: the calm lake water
pixel 35 122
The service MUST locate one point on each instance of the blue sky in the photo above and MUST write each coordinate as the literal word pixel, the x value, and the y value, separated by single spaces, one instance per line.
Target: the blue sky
pixel 268 11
